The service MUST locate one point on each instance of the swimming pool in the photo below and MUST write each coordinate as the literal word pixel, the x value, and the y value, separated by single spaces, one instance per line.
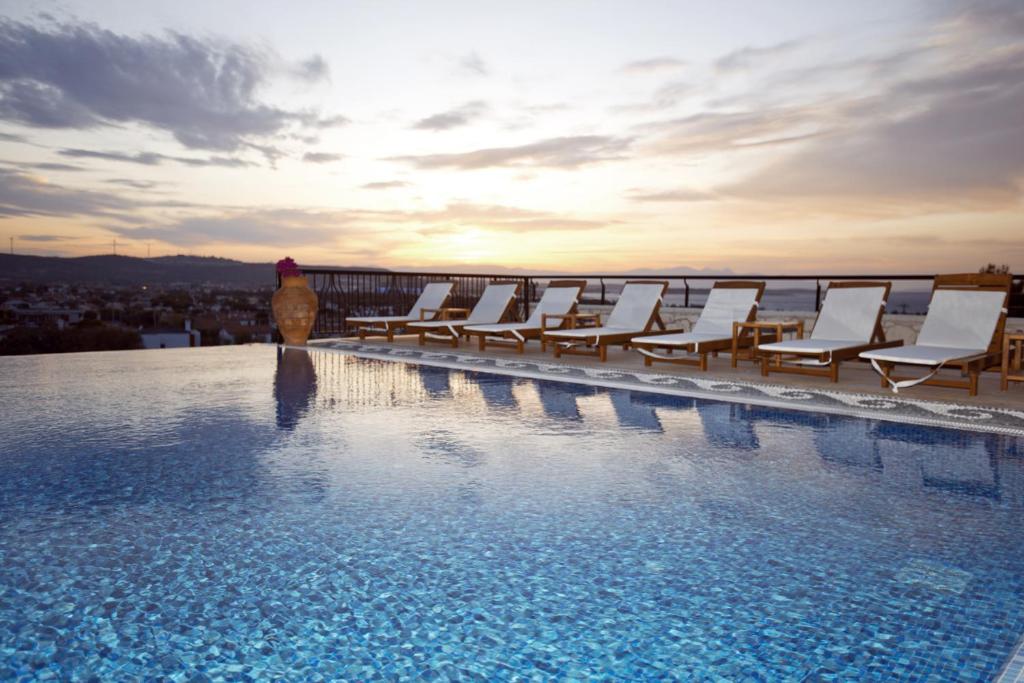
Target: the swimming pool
pixel 218 512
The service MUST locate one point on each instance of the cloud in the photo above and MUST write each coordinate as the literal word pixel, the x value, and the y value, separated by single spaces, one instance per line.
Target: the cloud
pixel 203 91
pixel 313 69
pixel 458 216
pixel 10 137
pixel 154 159
pixel 54 166
pixel 385 185
pixel 44 238
pixel 25 195
pixel 566 152
pixel 453 118
pixel 680 195
pixel 708 132
pixel 752 57
pixel 132 183
pixel 274 227
pixel 473 64
pixel 653 64
pixel 952 139
pixel 321 157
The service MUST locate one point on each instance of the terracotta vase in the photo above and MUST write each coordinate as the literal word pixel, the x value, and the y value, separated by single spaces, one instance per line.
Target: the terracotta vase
pixel 295 306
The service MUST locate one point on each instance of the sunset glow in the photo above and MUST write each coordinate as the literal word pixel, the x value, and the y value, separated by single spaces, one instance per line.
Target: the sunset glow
pixel 756 137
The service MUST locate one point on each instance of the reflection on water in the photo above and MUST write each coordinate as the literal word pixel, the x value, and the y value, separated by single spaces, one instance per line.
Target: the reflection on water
pixel 227 510
pixel 294 386
pixel 910 457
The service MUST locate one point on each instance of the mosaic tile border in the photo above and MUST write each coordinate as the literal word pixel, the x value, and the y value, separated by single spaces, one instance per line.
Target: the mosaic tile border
pixel 889 408
pixel 1013 670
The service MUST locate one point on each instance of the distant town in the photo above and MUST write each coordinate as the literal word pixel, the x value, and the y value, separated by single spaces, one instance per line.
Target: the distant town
pixel 101 303
pixel 40 318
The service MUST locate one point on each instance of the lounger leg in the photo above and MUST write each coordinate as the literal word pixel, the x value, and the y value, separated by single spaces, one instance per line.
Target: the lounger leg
pixel 483 342
pixel 886 368
pixel 558 350
pixel 972 389
pixel 362 333
pixel 520 347
pixel 648 361
pixel 602 352
pixel 833 372
pixel 391 335
pixel 703 362
pixel 765 363
pixel 455 341
pixel 423 339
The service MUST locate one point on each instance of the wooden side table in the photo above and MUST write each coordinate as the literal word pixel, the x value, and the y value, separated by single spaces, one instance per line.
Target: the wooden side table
pixel 1013 350
pixel 777 327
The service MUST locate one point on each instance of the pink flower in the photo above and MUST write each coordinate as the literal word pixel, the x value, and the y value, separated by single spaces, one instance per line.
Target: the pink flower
pixel 286 267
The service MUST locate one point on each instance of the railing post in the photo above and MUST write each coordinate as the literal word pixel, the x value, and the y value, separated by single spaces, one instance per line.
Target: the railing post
pixel 817 295
pixel 277 330
pixel 686 293
pixel 603 301
pixel 526 298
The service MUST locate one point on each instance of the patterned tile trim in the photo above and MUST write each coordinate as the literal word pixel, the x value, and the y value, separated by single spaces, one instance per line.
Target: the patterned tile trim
pixel 890 408
pixel 1013 670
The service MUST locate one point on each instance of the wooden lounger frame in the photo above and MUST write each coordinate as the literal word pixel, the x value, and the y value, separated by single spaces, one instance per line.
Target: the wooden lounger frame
pixel 367 329
pixel 506 337
pixel 708 347
pixel 444 335
pixel 774 361
pixel 601 344
pixel 969 369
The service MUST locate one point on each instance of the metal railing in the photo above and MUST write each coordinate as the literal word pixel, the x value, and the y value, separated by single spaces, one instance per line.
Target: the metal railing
pixel 345 292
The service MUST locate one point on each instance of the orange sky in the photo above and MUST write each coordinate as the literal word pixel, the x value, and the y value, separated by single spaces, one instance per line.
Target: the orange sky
pixel 793 138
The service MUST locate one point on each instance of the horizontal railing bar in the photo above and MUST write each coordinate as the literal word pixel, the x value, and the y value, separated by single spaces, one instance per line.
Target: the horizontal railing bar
pixel 626 276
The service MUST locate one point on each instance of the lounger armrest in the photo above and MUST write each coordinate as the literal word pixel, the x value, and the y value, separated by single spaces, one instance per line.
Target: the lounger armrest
pixel 562 318
pixel 443 313
pixel 454 313
pixel 576 320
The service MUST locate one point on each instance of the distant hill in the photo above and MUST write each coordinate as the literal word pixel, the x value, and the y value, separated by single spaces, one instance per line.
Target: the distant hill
pixel 128 270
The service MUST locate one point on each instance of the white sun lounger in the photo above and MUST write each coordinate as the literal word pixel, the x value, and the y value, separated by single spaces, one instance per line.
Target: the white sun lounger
pixel 634 314
pixel 432 298
pixel 963 329
pixel 728 302
pixel 558 301
pixel 494 304
pixel 849 322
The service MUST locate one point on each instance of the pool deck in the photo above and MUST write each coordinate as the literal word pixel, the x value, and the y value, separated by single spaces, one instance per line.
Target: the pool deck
pixel 858 392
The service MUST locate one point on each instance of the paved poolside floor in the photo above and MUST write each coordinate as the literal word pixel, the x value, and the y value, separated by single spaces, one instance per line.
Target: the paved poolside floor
pixel 854 377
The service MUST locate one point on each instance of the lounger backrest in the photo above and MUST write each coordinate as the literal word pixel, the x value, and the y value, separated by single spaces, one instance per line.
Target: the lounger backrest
pixel 636 305
pixel 433 296
pixel 962 319
pixel 554 301
pixel 723 308
pixel 493 303
pixel 849 313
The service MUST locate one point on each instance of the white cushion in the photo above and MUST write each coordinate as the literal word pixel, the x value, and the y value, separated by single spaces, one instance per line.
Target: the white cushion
pixel 849 313
pixel 492 304
pixel 916 354
pixel 809 345
pixel 585 332
pixel 382 319
pixel 635 306
pixel 680 339
pixel 961 318
pixel 433 296
pixel 554 301
pixel 725 305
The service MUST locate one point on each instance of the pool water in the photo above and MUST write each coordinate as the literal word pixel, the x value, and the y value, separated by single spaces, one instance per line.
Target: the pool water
pixel 226 514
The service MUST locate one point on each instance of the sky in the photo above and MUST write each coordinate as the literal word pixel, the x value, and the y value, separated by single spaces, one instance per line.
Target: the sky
pixel 572 136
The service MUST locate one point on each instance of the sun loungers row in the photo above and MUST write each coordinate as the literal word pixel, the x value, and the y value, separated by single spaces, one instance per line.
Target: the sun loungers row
pixel 962 330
